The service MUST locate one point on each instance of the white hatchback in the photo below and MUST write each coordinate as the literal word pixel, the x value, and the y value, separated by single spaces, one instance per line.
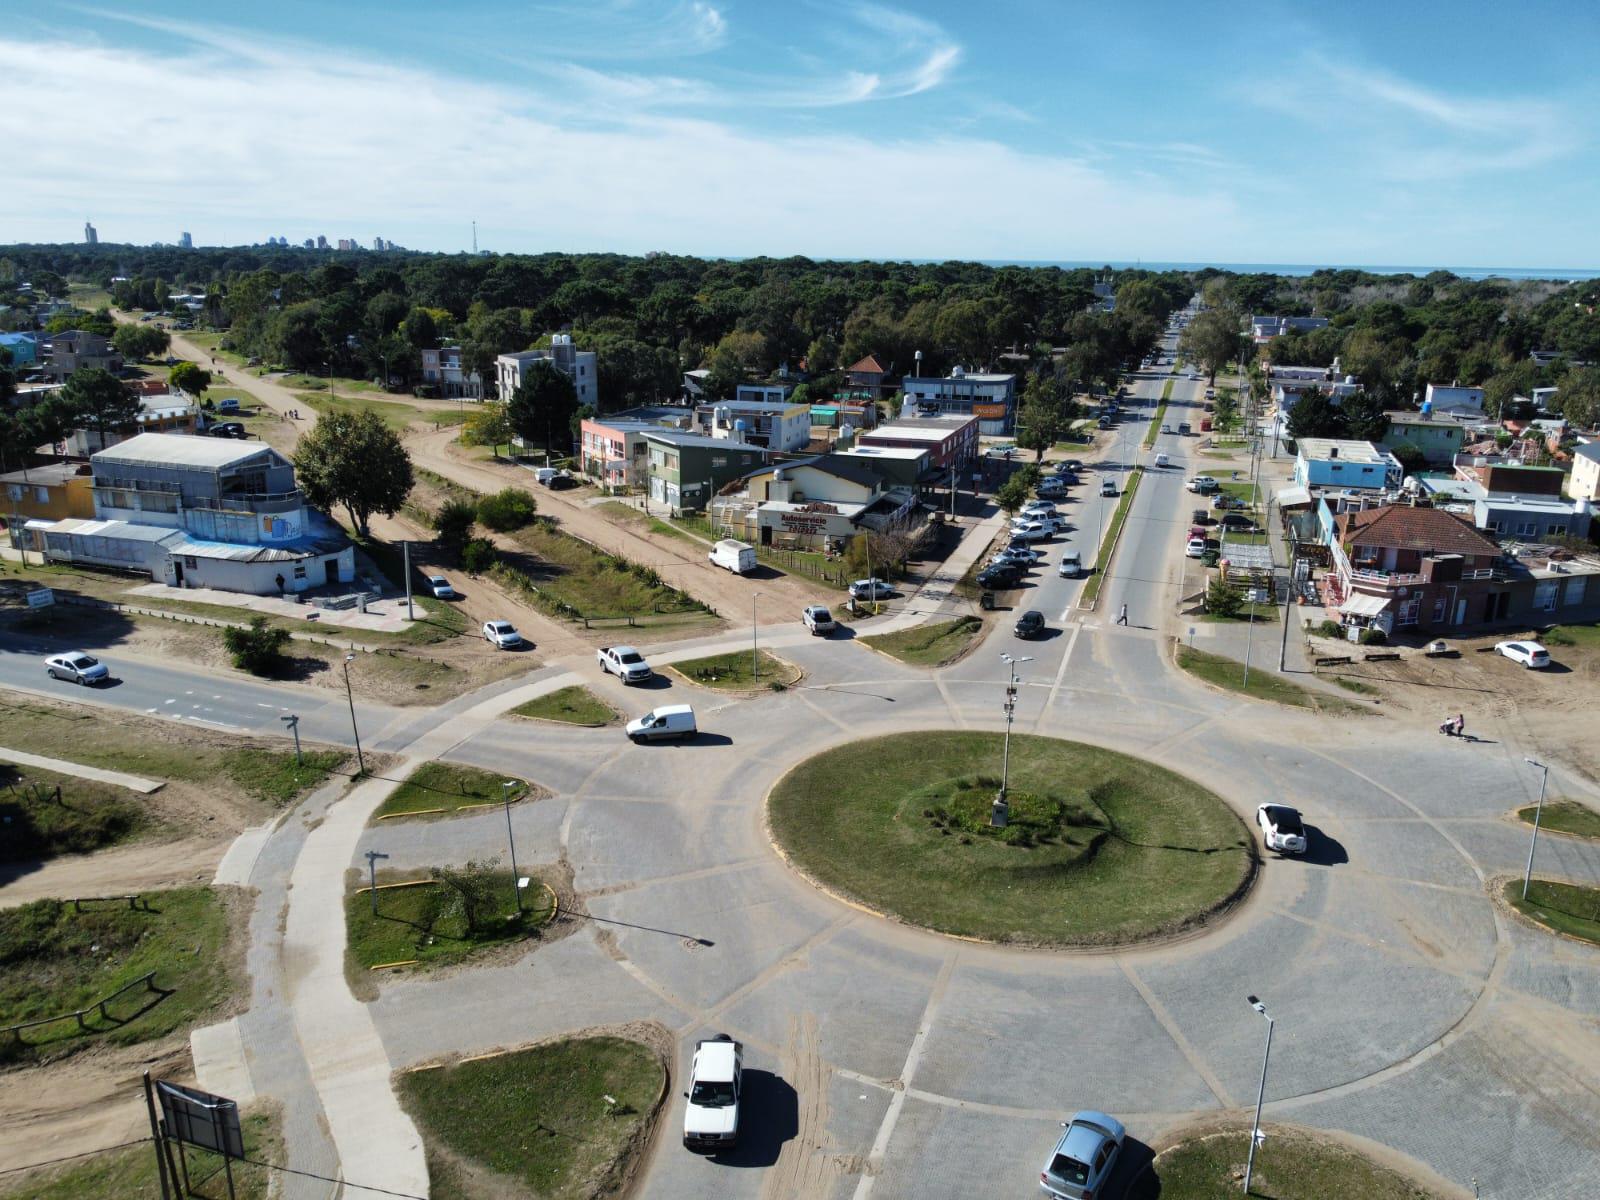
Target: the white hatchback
pixel 502 635
pixel 1529 654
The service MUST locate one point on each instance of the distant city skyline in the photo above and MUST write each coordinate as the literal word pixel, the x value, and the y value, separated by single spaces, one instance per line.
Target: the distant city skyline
pixel 1369 133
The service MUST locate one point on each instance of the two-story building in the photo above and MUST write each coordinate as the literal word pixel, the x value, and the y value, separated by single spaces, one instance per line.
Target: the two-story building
pixel 772 424
pixel 442 369
pixel 812 502
pixel 865 377
pixel 685 470
pixel 1340 465
pixel 24 351
pixel 72 349
pixel 50 492
pixel 1437 439
pixel 1515 500
pixel 951 441
pixel 580 366
pixel 612 449
pixel 1287 384
pixel 1584 481
pixel 990 398
pixel 1457 403
pixel 201 512
pixel 1265 329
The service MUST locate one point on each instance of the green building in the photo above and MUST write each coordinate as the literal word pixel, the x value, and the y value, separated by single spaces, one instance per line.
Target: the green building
pixel 687 469
pixel 1438 438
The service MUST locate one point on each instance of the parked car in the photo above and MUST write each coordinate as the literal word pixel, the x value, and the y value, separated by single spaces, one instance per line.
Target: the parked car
pixel 547 475
pixel 1281 828
pixel 626 663
pixel 1166 428
pixel 668 721
pixel 1184 429
pixel 711 1117
pixel 1051 489
pixel 1195 548
pixel 228 404
pixel 441 589
pixel 870 589
pixel 502 635
pixel 1071 464
pixel 1529 654
pixel 1161 460
pixel 1037 508
pixel 76 667
pixel 1071 565
pixel 1202 483
pixel 738 557
pixel 1104 423
pixel 819 620
pixel 228 429
pixel 1030 624
pixel 1018 550
pixel 1085 1157
pixel 1033 531
pixel 1223 500
pixel 1108 487
pixel 1233 520
pixel 1000 575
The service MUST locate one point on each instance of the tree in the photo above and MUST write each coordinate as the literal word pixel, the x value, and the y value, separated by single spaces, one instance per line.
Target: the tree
pixel 453 523
pixel 1314 415
pixel 1410 457
pixel 1013 493
pixel 1045 414
pixel 354 460
pixel 509 508
pixel 1579 396
pixel 258 648
pixel 1223 599
pixel 140 341
pixel 98 401
pixel 543 404
pixel 475 884
pixel 1363 417
pixel 1227 408
pixel 487 426
pixel 1213 339
pixel 190 378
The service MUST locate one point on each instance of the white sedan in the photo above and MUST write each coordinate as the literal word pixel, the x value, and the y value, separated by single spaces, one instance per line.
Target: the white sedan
pixel 440 587
pixel 1529 654
pixel 76 667
pixel 502 635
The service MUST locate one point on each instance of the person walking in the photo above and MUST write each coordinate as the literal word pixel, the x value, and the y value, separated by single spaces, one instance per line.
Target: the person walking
pixel 1461 724
pixel 1122 615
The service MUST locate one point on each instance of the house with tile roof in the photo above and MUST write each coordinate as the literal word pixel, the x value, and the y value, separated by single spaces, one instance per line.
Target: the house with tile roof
pixel 866 376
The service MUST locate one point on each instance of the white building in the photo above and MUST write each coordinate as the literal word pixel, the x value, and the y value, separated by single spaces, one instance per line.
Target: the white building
pixel 1462 403
pixel 775 425
pixel 580 366
pixel 990 398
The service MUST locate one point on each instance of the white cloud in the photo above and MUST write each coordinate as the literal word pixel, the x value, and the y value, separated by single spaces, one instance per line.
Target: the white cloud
pixel 235 141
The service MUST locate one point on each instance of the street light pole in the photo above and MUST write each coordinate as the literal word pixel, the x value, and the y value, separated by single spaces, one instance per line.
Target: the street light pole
pixel 1000 811
pixel 1544 777
pixel 755 660
pixel 361 763
pixel 516 883
pixel 293 721
pixel 372 871
pixel 1255 1128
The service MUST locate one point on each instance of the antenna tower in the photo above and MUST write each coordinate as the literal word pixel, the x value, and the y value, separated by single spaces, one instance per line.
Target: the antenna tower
pixel 474 237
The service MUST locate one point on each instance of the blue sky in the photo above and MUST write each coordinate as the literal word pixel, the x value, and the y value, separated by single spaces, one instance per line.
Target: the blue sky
pixel 1458 134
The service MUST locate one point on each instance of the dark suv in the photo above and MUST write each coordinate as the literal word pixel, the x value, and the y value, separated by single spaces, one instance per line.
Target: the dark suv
pixel 999 576
pixel 1030 624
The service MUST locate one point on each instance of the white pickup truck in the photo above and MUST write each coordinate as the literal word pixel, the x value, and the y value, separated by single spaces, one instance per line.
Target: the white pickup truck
pixel 626 663
pixel 711 1118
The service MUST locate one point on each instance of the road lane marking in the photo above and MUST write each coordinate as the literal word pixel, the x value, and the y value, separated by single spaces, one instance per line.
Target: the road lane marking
pixel 1061 671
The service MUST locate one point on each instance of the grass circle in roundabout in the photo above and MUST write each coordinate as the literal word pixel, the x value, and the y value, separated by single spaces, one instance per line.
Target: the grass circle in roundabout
pixel 1102 848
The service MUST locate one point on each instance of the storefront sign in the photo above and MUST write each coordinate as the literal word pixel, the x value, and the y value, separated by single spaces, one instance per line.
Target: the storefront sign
pixel 990 412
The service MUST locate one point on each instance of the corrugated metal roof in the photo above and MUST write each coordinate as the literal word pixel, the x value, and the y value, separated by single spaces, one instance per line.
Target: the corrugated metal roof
pixel 181 450
pixel 123 530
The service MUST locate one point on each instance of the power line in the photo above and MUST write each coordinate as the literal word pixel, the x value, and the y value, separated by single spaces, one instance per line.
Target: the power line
pixel 50 1162
pixel 360 1187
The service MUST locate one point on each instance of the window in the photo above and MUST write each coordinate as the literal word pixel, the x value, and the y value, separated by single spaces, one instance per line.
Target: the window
pixel 190 562
pixel 1527 528
pixel 300 571
pixel 1576 588
pixel 1544 594
pixel 42 495
pixel 1555 528
pixel 13 491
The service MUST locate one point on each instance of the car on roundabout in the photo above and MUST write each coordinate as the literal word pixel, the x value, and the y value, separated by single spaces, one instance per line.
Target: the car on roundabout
pixel 1281 828
pixel 1085 1157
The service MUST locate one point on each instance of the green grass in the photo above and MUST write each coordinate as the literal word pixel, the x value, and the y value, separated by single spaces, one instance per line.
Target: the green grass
pixel 1104 848
pixel 397 414
pixel 1261 612
pixel 1108 543
pixel 739 670
pixel 149 749
pixel 54 960
pixel 572 578
pixel 448 786
pixel 1569 908
pixel 427 924
pixel 88 816
pixel 1565 816
pixel 1240 490
pixel 130 1173
pixel 538 1121
pixel 1154 431
pixel 1228 674
pixel 1356 686
pixel 575 705
pixel 1572 635
pixel 931 645
pixel 1290 1165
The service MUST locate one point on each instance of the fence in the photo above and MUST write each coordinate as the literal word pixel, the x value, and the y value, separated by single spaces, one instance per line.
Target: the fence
pixel 811 563
pixel 146 981
pixel 212 622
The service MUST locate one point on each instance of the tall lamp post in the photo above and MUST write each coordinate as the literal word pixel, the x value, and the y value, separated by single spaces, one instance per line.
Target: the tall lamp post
pixel 506 789
pixel 1544 778
pixel 1000 811
pixel 755 660
pixel 1255 1128
pixel 361 763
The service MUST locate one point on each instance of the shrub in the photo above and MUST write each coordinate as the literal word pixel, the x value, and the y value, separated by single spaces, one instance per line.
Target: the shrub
pixel 478 555
pixel 454 522
pixel 1223 599
pixel 1374 637
pixel 1330 629
pixel 508 509
pixel 257 649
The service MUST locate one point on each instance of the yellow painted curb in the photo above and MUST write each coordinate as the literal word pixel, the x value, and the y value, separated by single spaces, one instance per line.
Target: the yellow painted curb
pixel 414 812
pixel 409 962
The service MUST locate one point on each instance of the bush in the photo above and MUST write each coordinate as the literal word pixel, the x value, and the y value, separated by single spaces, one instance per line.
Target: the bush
pixel 1223 599
pixel 1374 637
pixel 257 649
pixel 1330 629
pixel 454 522
pixel 508 509
pixel 478 555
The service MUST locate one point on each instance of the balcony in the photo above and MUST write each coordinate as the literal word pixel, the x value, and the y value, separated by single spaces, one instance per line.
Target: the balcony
pixel 266 503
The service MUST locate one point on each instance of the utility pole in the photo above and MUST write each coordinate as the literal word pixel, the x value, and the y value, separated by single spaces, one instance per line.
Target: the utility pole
pixel 405 547
pixel 372 873
pixel 516 881
pixel 1544 778
pixel 755 659
pixel 1261 1093
pixel 361 763
pixel 1000 811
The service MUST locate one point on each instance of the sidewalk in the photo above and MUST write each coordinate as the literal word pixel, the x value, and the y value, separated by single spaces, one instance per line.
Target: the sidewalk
pixel 134 783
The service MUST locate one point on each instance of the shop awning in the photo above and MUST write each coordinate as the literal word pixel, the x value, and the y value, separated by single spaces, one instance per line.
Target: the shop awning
pixel 1292 497
pixel 1359 604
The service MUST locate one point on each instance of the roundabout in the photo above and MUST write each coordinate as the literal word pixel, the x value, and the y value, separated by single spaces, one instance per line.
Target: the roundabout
pixel 1099 849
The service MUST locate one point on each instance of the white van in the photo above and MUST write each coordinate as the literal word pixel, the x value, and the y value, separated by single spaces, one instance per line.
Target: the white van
pixel 668 721
pixel 738 557
pixel 545 475
pixel 1163 461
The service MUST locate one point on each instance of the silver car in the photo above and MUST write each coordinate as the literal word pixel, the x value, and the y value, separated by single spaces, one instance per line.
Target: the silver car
pixel 1083 1160
pixel 76 667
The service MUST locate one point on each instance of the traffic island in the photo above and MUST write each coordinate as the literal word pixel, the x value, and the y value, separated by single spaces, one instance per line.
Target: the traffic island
pixel 575 705
pixel 440 789
pixel 1564 816
pixel 1570 909
pixel 1291 1164
pixel 1099 848
pixel 740 671
pixel 570 1118
pixel 932 644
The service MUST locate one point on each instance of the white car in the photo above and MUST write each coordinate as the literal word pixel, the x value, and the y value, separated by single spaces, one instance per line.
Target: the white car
pixel 1529 654
pixel 1196 548
pixel 502 635
pixel 711 1116
pixel 1281 828
pixel 1033 531
pixel 1202 483
pixel 1166 427
pixel 870 589
pixel 76 667
pixel 626 663
pixel 819 620
pixel 440 587
pixel 1071 565
pixel 1039 508
pixel 1161 460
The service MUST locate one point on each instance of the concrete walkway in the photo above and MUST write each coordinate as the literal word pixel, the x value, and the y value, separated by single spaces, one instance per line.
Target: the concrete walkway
pixel 61 766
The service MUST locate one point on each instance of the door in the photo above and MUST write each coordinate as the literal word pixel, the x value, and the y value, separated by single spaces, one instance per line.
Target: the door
pixel 177 573
pixel 766 535
pixel 330 570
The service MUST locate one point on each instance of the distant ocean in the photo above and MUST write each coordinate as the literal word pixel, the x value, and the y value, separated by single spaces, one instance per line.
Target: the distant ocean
pixel 1560 273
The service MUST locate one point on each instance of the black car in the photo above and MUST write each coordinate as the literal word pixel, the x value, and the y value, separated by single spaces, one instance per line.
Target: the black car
pixel 1235 521
pixel 228 429
pixel 1030 624
pixel 999 576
